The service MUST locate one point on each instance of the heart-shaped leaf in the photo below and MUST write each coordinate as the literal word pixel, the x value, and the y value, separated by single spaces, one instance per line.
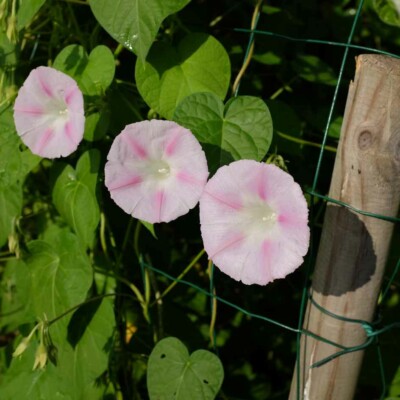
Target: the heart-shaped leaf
pixel 199 64
pixel 173 374
pixel 241 129
pixel 60 272
pixel 134 23
pixel 93 73
pixel 75 199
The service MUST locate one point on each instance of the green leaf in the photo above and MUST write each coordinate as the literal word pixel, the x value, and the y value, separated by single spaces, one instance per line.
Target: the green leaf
pixel 60 271
pixel 270 10
pixel 10 206
pixel 150 228
pixel 134 23
pixel 15 295
pixel 8 53
pixel 93 74
pixel 241 129
pixel 198 64
pixel 79 365
pixel 15 164
pixel 28 162
pixel 105 284
pixel 26 11
pixel 268 58
pixel 96 125
pixel 15 158
pixel 88 167
pixel 335 127
pixel 388 11
pixel 91 326
pixel 173 374
pixel 313 69
pixel 394 388
pixel 76 202
pixel 19 380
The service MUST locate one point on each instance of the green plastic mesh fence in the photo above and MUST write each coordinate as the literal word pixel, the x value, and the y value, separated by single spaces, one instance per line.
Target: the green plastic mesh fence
pixel 373 330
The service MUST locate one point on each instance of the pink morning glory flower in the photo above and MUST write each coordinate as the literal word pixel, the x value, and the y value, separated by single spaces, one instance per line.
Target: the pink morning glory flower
pixel 48 113
pixel 254 222
pixel 156 170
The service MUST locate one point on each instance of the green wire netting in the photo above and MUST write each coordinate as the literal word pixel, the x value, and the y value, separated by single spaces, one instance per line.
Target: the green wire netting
pixel 373 330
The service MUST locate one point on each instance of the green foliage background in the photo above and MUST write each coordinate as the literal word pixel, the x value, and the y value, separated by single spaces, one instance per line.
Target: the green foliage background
pixel 63 241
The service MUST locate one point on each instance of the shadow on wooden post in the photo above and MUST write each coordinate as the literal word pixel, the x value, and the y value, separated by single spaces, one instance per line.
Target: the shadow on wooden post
pixel 354 247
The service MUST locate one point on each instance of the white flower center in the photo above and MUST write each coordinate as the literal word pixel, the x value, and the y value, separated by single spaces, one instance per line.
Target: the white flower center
pixel 63 112
pixel 164 170
pixel 258 220
pixel 266 218
pixel 260 213
pixel 159 169
pixel 58 107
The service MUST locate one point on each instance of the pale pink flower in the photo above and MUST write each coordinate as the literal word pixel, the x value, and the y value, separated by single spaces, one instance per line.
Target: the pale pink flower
pixel 156 170
pixel 48 113
pixel 254 222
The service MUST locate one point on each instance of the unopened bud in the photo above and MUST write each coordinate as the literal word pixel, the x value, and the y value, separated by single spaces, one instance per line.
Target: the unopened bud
pixel 21 347
pixel 40 357
pixel 13 244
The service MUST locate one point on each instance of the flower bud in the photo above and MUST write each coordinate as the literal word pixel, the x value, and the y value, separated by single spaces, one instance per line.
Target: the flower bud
pixel 21 347
pixel 40 357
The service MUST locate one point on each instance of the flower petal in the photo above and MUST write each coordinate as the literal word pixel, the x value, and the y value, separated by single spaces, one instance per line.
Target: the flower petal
pixel 156 170
pixel 254 222
pixel 48 113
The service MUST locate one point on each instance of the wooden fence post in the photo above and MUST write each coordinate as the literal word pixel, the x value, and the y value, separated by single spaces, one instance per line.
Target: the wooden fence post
pixel 354 247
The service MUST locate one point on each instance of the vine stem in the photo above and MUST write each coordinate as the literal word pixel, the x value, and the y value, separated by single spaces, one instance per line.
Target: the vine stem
pixel 181 275
pixel 250 50
pixel 133 287
pixel 305 142
pixel 285 86
pixel 92 299
pixel 125 281
pixel 118 50
pixel 62 315
pixel 213 291
pixel 103 241
pixel 136 236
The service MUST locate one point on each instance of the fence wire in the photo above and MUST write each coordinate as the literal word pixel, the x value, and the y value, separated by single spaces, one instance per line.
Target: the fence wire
pixel 371 330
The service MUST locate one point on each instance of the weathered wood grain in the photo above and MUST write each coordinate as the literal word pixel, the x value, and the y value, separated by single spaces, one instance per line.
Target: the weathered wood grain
pixel 354 248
